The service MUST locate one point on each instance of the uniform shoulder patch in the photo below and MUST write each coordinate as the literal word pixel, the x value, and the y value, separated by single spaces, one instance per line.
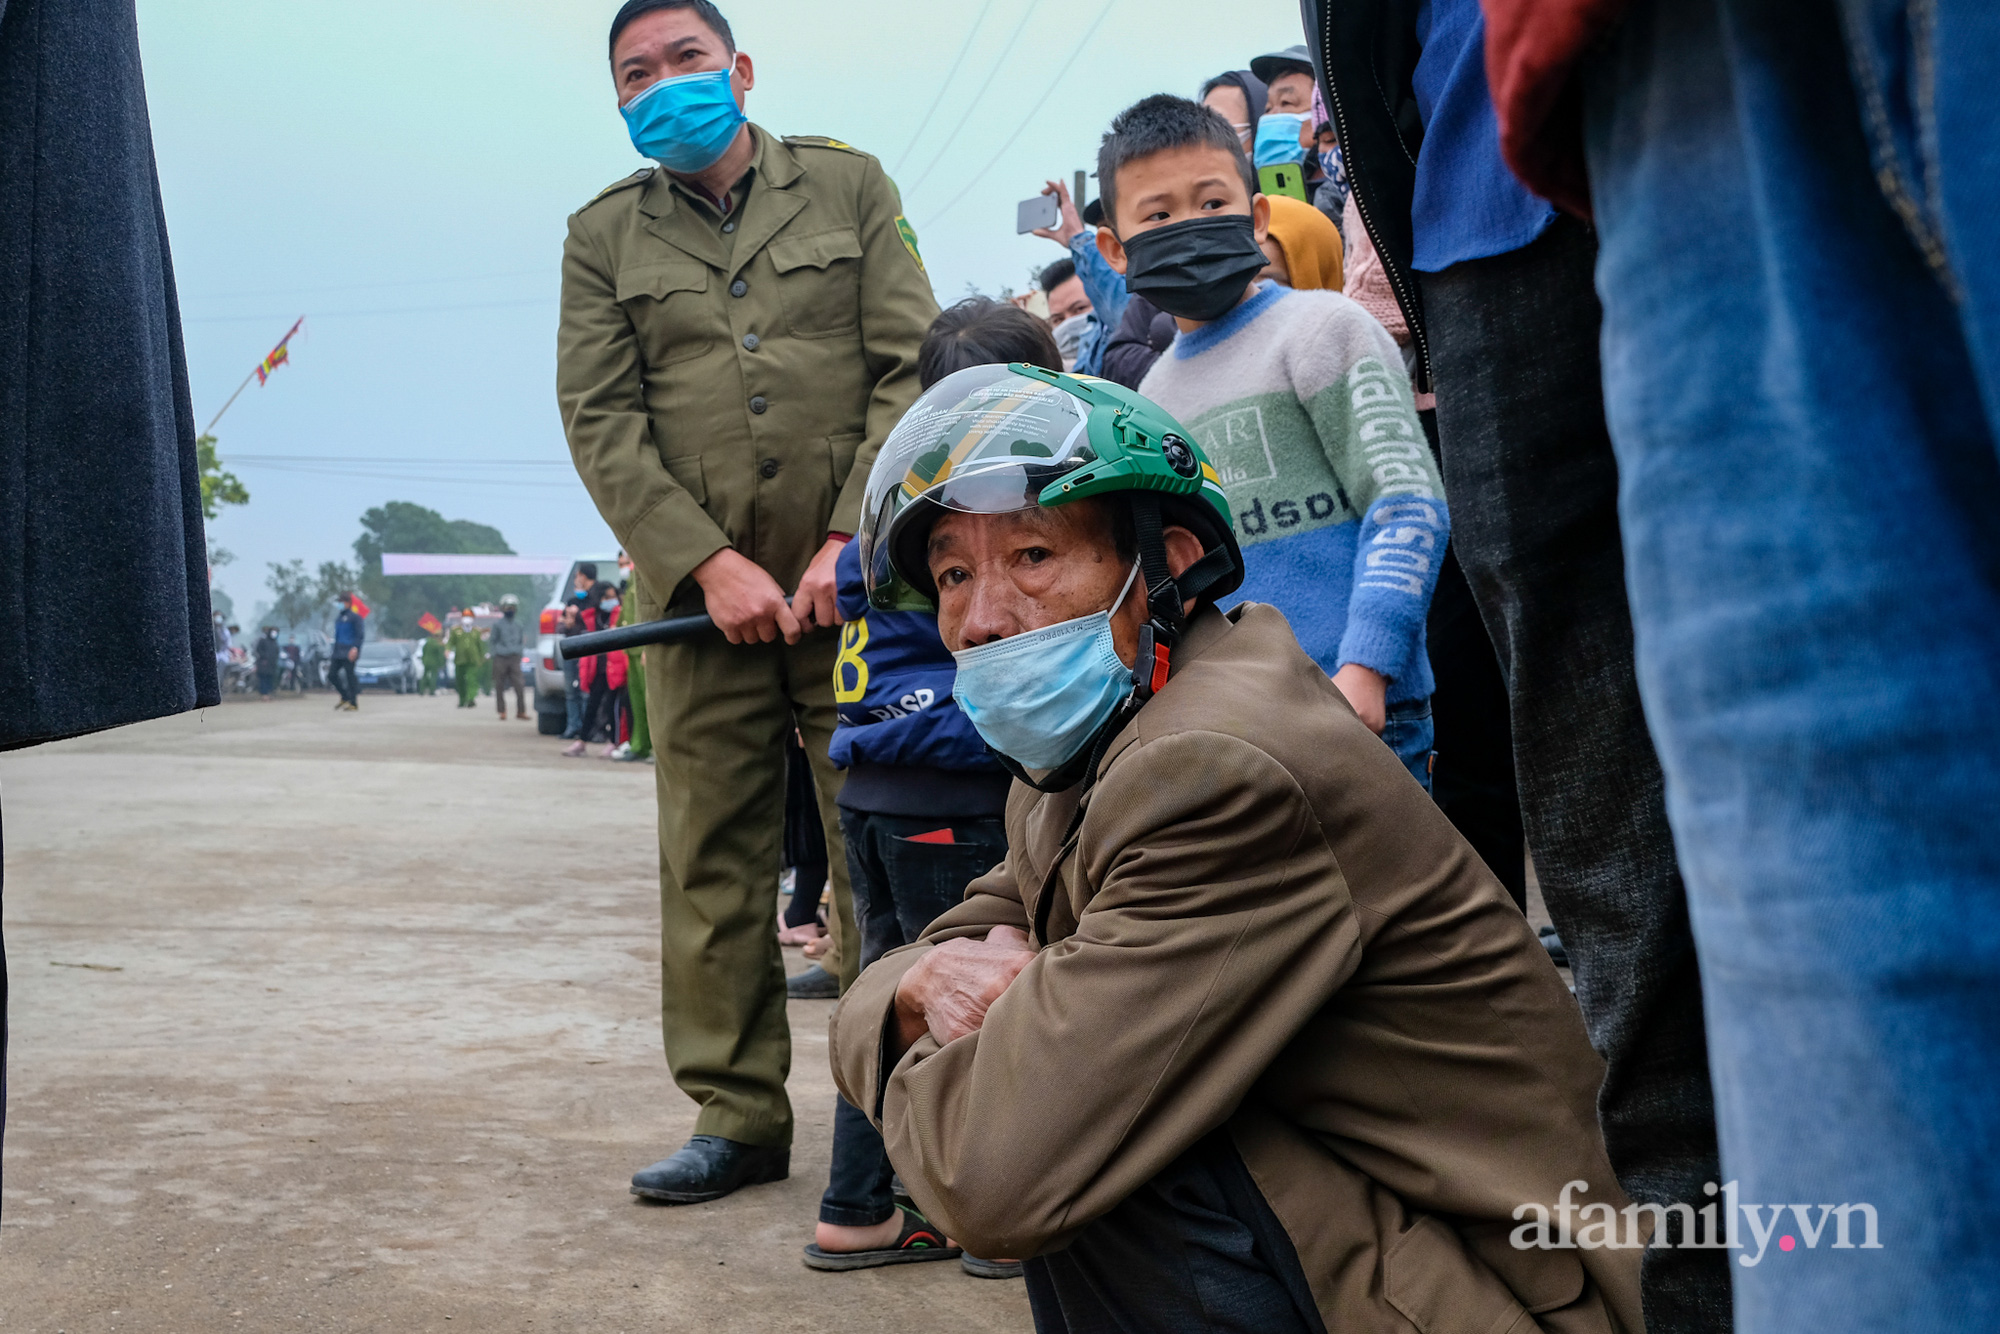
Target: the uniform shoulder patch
pixel 638 177
pixel 819 141
pixel 909 235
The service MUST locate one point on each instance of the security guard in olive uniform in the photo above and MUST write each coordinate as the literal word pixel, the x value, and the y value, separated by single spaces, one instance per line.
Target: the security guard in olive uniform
pixel 468 655
pixel 740 328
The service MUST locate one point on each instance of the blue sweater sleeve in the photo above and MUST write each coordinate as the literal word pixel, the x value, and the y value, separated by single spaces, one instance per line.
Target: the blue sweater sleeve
pixel 1104 285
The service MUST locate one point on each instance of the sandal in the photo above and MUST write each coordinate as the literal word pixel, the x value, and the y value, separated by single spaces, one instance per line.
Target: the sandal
pixel 918 1241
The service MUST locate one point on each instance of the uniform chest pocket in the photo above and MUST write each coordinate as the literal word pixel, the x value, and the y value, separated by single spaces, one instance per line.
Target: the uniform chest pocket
pixel 668 306
pixel 819 281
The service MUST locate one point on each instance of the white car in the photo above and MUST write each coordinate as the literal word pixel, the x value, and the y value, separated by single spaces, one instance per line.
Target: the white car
pixel 551 711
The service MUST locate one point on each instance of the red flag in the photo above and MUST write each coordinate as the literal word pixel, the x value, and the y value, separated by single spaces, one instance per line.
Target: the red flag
pixel 277 357
pixel 431 623
pixel 359 607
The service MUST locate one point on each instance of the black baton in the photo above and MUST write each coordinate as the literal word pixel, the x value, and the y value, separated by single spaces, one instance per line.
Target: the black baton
pixel 674 630
pixel 671 631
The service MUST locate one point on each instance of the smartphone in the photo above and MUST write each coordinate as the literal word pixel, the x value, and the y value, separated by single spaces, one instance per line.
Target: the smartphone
pixel 1041 211
pixel 1286 178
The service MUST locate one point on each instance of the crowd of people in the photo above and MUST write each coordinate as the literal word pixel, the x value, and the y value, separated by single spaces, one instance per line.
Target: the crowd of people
pixel 1167 684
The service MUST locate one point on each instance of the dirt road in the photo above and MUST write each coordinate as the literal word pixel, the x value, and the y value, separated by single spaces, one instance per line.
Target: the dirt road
pixel 350 1022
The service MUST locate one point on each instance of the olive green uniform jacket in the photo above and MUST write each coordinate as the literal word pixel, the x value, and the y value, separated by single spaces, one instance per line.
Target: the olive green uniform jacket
pixel 731 388
pixel 1263 924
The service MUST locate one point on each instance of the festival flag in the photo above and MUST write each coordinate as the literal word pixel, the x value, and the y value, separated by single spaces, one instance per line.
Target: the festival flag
pixel 359 607
pixel 277 357
pixel 431 624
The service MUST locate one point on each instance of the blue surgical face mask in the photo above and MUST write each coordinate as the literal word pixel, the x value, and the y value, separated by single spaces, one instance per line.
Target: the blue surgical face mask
pixel 687 123
pixel 1278 139
pixel 1038 697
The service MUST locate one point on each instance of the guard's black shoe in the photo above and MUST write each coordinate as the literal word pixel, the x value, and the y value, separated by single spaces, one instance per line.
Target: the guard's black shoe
pixel 815 983
pixel 709 1167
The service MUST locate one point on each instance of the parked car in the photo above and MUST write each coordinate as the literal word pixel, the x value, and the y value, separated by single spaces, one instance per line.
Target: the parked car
pixel 389 663
pixel 545 667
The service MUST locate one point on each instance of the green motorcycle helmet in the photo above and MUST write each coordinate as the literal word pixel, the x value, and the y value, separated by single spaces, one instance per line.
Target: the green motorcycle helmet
pixel 1000 438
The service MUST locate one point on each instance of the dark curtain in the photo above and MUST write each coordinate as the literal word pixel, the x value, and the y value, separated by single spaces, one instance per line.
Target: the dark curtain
pixel 104 615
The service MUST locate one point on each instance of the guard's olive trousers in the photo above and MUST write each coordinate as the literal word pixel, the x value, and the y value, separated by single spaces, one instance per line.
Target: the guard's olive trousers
pixel 718 713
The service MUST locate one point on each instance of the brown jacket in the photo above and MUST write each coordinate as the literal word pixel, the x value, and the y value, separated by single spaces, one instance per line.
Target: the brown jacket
pixel 1264 924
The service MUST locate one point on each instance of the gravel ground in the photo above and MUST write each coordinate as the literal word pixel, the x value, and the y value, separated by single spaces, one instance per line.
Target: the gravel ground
pixel 350 1022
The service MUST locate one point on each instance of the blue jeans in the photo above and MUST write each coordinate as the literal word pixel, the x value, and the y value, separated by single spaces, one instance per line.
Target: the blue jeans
pixel 1800 268
pixel 573 701
pixel 1407 730
pixel 901 883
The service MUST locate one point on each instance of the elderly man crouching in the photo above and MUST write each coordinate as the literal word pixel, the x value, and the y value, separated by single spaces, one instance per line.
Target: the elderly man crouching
pixel 1241 1034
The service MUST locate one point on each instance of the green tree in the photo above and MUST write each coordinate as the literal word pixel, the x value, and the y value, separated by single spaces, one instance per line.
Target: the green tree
pixel 399 601
pixel 218 486
pixel 295 599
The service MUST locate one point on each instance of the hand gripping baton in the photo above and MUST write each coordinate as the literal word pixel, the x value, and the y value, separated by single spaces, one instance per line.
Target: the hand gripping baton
pixel 674 630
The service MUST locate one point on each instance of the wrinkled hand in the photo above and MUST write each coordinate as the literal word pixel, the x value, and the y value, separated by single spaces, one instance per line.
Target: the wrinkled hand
pixel 817 603
pixel 1068 222
pixel 744 600
pixel 1367 691
pixel 949 990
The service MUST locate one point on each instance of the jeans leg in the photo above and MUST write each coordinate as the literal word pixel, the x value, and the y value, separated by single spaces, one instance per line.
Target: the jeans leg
pixel 1408 731
pixel 857 1188
pixel 1194 1250
pixel 1533 486
pixel 1809 492
pixel 925 878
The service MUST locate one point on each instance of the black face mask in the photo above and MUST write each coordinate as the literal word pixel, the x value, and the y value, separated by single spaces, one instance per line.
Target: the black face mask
pixel 1196 269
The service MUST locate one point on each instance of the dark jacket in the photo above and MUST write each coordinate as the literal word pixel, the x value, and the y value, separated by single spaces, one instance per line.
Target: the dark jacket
pixel 97 453
pixel 1366 54
pixel 1143 335
pixel 907 746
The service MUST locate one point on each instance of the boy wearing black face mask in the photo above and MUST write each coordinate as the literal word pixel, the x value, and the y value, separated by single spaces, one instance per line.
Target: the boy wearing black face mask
pixel 1302 402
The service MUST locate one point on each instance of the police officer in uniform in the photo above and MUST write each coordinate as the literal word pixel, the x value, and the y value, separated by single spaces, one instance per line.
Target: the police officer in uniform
pixel 740 328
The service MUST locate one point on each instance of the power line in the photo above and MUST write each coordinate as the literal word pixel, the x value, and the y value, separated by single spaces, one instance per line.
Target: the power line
pixel 1033 111
pixel 998 65
pixel 391 310
pixel 363 287
pixel 410 478
pixel 944 86
pixel 414 461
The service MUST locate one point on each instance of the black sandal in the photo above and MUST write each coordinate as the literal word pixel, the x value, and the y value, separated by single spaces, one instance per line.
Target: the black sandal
pixel 918 1241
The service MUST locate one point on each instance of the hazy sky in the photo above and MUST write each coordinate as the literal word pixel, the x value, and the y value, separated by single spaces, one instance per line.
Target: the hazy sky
pixel 400 172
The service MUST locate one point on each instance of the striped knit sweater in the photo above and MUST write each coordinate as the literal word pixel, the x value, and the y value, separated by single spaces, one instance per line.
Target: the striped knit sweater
pixel 1301 400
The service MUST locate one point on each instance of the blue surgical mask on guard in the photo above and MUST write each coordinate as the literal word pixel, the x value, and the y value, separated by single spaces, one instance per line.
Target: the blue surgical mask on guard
pixel 1278 139
pixel 1039 697
pixel 686 123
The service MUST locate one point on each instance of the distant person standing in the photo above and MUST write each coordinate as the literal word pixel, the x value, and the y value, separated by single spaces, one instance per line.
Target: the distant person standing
pixel 507 642
pixel 219 634
pixel 739 333
pixel 348 633
pixel 265 658
pixel 433 657
pixel 467 653
pixel 640 747
pixel 570 622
